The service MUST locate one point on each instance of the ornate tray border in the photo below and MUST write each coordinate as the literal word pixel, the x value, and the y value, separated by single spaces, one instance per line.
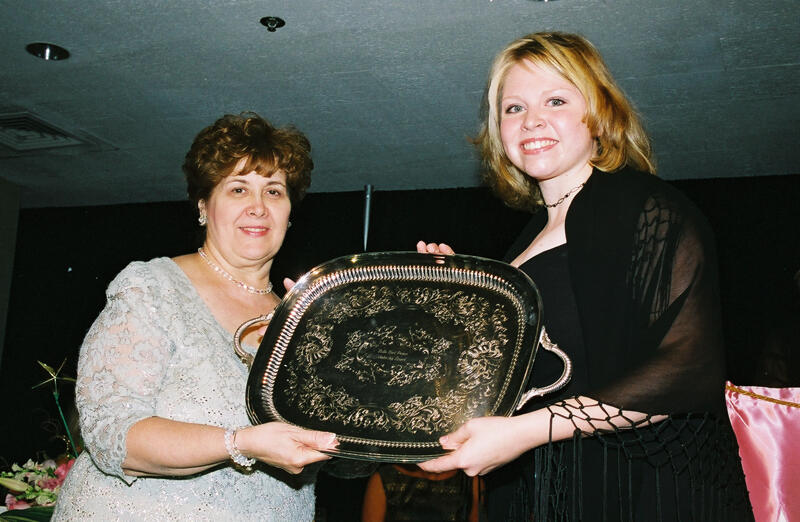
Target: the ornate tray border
pixel 386 267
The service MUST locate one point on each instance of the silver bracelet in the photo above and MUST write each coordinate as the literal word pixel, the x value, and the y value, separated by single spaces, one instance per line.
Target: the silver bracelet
pixel 233 451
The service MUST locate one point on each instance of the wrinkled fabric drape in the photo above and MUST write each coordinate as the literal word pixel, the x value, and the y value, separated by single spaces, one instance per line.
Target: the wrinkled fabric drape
pixel 766 422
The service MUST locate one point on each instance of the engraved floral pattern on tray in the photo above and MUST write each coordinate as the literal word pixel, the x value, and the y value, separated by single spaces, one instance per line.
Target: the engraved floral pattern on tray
pixel 466 336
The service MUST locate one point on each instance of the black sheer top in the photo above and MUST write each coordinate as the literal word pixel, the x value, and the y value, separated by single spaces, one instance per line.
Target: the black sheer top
pixel 632 297
pixel 643 271
pixel 549 270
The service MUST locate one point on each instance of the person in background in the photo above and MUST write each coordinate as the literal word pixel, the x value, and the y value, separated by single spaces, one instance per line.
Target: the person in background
pixel 627 273
pixel 160 391
pixel 405 492
pixel 778 365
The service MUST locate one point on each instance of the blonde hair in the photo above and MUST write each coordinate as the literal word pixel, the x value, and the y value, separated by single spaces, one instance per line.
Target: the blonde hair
pixel 610 117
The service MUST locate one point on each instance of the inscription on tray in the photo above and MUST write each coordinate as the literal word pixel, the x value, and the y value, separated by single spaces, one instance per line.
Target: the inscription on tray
pixel 394 355
pixel 439 360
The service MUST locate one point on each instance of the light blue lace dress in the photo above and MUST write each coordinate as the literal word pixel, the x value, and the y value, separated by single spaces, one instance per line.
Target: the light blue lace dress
pixel 156 350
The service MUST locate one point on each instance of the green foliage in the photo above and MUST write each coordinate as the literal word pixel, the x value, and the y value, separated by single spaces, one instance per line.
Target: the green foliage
pixel 34 514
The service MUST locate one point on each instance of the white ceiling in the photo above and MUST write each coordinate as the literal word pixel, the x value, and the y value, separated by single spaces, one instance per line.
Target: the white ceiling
pixel 387 91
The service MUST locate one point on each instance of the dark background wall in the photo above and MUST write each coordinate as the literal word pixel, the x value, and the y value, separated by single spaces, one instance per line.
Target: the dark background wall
pixel 65 258
pixel 9 214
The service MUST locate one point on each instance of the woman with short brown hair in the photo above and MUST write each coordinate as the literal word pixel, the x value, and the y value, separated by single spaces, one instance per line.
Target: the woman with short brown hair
pixel 160 390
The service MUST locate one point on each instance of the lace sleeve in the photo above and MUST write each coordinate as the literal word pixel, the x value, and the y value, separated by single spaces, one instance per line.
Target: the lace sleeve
pixel 121 366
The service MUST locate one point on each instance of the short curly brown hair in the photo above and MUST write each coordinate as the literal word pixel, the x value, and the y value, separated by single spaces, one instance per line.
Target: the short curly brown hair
pixel 219 147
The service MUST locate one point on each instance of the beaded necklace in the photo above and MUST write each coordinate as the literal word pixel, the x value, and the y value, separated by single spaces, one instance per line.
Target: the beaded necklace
pixel 226 275
pixel 565 196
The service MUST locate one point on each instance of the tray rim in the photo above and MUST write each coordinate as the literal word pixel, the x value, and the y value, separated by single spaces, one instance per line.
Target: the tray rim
pixel 286 312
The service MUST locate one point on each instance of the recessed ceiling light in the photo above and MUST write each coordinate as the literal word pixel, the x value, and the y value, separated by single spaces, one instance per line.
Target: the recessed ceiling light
pixel 47 51
pixel 272 23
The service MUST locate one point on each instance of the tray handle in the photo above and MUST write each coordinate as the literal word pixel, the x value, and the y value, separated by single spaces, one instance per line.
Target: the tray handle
pixel 243 356
pixel 562 381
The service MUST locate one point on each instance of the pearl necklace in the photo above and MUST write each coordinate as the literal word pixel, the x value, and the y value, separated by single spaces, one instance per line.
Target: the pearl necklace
pixel 565 196
pixel 226 275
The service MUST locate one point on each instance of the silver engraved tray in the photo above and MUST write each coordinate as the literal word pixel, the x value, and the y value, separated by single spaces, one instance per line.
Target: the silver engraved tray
pixel 392 350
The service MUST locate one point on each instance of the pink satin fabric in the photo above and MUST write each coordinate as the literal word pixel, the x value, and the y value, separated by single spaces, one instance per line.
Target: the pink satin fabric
pixel 767 426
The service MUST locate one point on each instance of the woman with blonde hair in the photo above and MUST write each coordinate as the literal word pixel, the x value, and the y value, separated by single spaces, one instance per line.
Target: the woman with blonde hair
pixel 626 269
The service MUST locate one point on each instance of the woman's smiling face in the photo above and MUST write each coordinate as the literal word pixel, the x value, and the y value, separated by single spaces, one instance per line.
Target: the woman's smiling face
pixel 248 215
pixel 542 123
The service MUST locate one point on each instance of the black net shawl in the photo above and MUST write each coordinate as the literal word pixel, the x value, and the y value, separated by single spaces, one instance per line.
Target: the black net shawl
pixel 644 277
